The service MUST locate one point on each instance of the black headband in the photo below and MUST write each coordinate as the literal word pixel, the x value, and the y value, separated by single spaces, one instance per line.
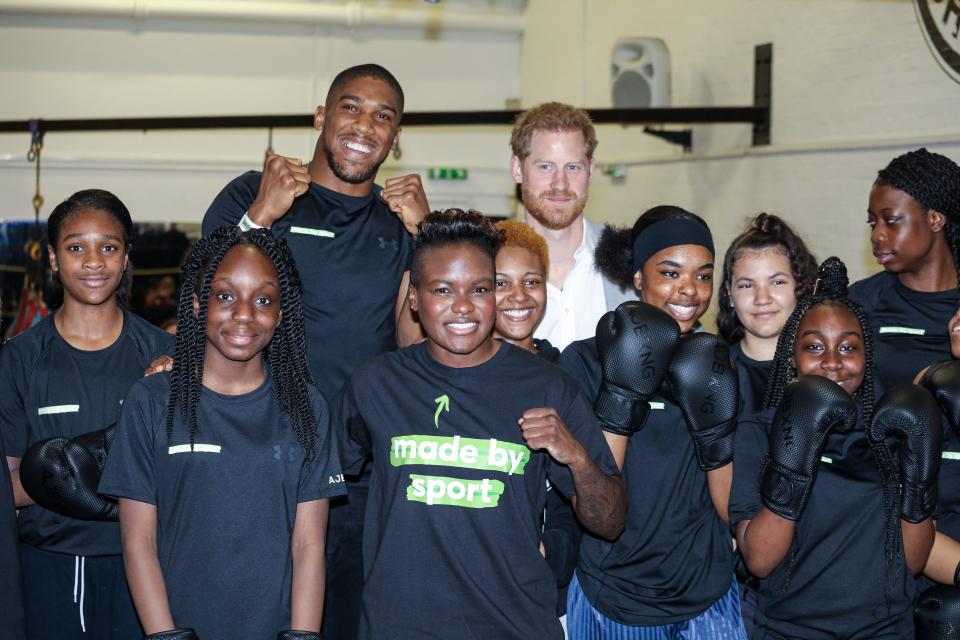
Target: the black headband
pixel 669 233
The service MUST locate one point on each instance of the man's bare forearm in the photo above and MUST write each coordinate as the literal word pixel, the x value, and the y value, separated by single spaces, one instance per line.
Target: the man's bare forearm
pixel 601 500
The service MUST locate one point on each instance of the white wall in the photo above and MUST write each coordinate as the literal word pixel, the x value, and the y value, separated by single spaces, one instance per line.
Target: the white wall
pixel 60 67
pixel 853 85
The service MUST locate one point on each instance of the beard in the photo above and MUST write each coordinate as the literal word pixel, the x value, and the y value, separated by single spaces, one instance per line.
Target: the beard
pixel 352 174
pixel 551 216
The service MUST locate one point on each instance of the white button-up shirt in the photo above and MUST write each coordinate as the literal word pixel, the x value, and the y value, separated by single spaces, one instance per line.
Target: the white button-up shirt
pixel 573 312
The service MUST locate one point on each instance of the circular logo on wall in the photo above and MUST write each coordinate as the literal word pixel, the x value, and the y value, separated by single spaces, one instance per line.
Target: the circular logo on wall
pixel 940 21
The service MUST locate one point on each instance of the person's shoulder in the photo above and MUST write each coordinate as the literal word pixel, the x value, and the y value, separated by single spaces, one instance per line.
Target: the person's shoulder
pixel 580 351
pixel 870 289
pixel 152 389
pixel 153 340
pixel 244 187
pixel 246 182
pixel 382 365
pixel 736 352
pixel 26 344
pixel 529 364
pixel 551 376
pixel 547 351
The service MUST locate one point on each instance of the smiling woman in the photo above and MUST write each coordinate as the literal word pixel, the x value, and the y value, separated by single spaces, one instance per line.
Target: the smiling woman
pixel 67 376
pixel 617 589
pixel 240 404
pixel 521 280
pixel 766 269
pixel 815 496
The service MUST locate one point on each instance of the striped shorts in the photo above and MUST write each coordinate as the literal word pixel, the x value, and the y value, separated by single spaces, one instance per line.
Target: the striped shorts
pixel 722 621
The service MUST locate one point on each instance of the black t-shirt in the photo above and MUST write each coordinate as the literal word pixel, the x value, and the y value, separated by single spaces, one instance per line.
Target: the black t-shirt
pixel 226 510
pixel 452 533
pixel 948 481
pixel 675 558
pixel 832 582
pixel 909 327
pixel 11 603
pixel 53 389
pixel 752 376
pixel 948 511
pixel 352 253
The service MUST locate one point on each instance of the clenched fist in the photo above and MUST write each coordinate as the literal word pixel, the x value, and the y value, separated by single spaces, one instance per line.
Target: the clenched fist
pixel 283 180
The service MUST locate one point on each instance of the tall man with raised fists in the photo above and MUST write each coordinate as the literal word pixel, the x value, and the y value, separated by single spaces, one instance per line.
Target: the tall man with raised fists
pixel 352 241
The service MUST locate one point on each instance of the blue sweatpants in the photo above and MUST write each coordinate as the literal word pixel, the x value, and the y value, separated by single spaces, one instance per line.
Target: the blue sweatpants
pixel 75 598
pixel 722 621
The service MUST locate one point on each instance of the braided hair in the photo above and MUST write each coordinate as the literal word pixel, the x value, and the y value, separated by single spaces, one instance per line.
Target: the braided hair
pixel 284 357
pixel 933 180
pixel 831 289
pixel 764 232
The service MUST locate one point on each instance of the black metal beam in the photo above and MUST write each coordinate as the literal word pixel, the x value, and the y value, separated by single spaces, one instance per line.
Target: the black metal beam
pixel 762 91
pixel 757 115
pixel 659 115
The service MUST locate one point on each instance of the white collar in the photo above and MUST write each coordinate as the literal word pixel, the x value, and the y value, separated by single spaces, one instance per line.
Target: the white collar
pixel 589 242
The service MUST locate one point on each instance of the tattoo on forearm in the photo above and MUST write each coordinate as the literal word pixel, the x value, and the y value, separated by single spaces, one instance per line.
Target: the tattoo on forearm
pixel 601 501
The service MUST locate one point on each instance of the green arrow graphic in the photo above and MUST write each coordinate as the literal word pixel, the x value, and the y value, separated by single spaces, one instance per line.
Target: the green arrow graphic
pixel 443 404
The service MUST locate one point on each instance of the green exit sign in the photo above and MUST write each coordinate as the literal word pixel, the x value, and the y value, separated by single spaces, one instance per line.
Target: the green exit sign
pixel 447 173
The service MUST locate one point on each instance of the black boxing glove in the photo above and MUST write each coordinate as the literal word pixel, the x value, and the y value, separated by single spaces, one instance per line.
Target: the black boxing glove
pixel 811 407
pixel 62 475
pixel 174 634
pixel 299 635
pixel 942 379
pixel 937 613
pixel 635 343
pixel 910 414
pixel 704 384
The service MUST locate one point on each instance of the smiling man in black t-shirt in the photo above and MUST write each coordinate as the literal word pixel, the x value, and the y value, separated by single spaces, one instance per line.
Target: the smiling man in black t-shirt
pixel 463 431
pixel 352 242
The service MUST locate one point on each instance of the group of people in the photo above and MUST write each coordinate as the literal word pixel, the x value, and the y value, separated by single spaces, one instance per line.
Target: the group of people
pixel 379 422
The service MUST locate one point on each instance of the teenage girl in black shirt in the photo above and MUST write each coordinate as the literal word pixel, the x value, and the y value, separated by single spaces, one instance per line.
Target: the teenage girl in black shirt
pixel 766 269
pixel 914 218
pixel 224 468
pixel 838 563
pixel 66 376
pixel 521 289
pixel 670 574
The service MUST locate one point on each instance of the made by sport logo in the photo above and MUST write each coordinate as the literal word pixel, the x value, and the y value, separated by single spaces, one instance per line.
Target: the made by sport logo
pixel 940 22
pixel 489 455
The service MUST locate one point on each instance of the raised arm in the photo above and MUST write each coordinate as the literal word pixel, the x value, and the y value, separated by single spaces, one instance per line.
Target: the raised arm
pixel 600 501
pixel 811 407
pixel 635 343
pixel 943 563
pixel 704 384
pixel 911 415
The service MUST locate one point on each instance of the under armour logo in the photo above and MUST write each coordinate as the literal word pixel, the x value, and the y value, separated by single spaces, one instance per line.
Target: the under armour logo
pixel 278 453
pixel 384 243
